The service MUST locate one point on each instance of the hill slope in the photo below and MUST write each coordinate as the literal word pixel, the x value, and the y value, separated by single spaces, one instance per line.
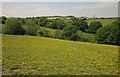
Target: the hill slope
pixel 103 21
pixel 39 55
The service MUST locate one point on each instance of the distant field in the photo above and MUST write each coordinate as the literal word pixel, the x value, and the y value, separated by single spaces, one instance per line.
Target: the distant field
pixel 103 21
pixel 23 55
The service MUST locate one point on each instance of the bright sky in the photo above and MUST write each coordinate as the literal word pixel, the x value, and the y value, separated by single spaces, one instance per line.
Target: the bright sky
pixel 24 8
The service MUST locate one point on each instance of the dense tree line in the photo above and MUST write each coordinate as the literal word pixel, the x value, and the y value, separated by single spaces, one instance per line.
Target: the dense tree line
pixel 71 29
pixel 13 26
pixel 109 34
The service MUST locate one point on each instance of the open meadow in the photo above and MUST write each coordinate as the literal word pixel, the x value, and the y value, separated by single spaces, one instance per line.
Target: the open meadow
pixel 33 55
pixel 103 21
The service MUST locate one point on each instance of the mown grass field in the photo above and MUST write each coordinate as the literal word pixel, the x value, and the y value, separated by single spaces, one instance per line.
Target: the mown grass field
pixel 103 21
pixel 24 55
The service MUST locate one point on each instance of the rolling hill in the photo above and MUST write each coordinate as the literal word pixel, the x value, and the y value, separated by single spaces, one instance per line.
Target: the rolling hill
pixel 33 55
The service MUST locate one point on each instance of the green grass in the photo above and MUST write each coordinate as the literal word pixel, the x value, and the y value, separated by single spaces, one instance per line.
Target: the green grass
pixel 24 55
pixel 88 35
pixel 0 28
pixel 103 21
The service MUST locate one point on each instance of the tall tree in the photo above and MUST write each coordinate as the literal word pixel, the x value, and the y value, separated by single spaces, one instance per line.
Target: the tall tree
pixel 69 32
pixel 109 34
pixel 94 26
pixel 80 24
pixel 13 26
pixel 31 27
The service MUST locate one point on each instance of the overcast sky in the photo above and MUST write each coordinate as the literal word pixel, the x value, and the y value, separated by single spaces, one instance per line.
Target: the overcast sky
pixel 25 8
pixel 59 0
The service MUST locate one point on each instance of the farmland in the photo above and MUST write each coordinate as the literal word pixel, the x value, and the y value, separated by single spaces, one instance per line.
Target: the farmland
pixel 103 21
pixel 33 55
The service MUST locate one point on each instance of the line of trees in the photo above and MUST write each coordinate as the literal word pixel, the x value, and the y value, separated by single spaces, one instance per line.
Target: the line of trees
pixel 109 34
pixel 62 29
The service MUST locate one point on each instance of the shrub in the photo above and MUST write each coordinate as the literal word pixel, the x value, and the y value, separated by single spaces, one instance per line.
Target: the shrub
pixel 94 26
pixel 58 34
pixel 3 19
pixel 69 32
pixel 42 21
pixel 31 28
pixel 56 24
pixel 60 24
pixel 109 34
pixel 43 32
pixel 13 26
pixel 52 24
pixel 80 24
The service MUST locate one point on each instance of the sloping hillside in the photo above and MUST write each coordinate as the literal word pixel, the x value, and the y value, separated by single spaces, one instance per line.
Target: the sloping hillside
pixel 24 55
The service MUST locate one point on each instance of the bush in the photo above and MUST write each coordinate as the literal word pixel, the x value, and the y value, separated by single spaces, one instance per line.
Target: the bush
pixel 42 21
pixel 56 24
pixel 77 35
pixel 58 34
pixel 43 32
pixel 31 28
pixel 60 24
pixel 109 34
pixel 52 24
pixel 69 32
pixel 13 26
pixel 80 24
pixel 94 26
pixel 3 19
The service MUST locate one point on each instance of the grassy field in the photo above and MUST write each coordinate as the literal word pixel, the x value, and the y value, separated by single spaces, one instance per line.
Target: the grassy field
pixel 103 21
pixel 24 55
pixel 0 28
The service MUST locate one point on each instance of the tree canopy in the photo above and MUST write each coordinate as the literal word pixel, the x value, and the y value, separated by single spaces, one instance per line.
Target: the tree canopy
pixel 80 24
pixel 94 26
pixel 13 26
pixel 69 32
pixel 109 34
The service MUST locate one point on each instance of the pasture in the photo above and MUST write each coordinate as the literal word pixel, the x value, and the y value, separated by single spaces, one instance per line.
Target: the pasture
pixel 33 55
pixel 103 21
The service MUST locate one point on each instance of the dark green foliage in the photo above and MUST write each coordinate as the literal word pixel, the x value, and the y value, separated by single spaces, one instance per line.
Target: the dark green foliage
pixel 47 32
pixel 56 24
pixel 60 24
pixel 42 21
pixel 23 20
pixel 114 36
pixel 109 34
pixel 31 27
pixel 13 26
pixel 3 19
pixel 58 34
pixel 102 34
pixel 69 32
pixel 80 24
pixel 76 36
pixel 52 24
pixel 30 22
pixel 43 32
pixel 63 28
pixel 94 26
